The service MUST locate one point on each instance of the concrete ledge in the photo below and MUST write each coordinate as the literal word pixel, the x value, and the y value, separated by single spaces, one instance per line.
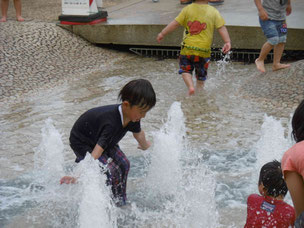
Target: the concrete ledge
pixel 242 37
pixel 137 22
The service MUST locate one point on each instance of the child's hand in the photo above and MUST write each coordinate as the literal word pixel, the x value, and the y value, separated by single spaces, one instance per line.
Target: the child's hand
pixel 67 180
pixel 144 147
pixel 226 47
pixel 159 37
pixel 263 15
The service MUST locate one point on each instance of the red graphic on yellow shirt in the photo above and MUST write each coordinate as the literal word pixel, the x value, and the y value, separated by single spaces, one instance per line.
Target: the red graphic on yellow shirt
pixel 196 27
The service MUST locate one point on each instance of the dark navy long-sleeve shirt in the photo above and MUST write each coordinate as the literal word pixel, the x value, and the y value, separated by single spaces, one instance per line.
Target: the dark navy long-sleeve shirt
pixel 102 126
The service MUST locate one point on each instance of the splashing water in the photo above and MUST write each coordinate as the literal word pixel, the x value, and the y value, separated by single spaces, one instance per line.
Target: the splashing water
pixel 49 154
pixel 43 202
pixel 164 172
pixel 272 143
pixel 177 192
pixel 271 146
pixel 221 64
pixel 96 207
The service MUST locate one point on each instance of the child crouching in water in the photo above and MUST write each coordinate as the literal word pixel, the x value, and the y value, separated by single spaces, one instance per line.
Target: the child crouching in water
pixel 269 208
pixel 99 130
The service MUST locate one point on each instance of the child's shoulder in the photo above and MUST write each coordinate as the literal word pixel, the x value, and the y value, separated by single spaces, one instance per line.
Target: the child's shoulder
pixel 254 198
pixel 104 109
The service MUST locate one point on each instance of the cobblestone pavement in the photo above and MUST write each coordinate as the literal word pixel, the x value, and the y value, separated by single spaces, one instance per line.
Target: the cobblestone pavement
pixel 277 92
pixel 38 53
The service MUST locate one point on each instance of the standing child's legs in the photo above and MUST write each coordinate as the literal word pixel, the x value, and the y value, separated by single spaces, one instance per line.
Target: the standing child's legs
pixel 186 68
pixel 187 64
pixel 277 54
pixel 4 8
pixel 17 4
pixel 117 174
pixel 259 62
pixel 201 70
pixel 189 82
pixel 276 33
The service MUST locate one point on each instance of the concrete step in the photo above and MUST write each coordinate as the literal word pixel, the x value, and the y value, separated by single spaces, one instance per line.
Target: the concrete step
pixel 137 22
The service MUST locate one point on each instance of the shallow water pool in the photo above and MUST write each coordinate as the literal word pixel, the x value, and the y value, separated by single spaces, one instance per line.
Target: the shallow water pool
pixel 206 154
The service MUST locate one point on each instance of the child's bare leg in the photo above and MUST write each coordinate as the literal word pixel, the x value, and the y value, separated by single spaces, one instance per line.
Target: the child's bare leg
pixel 277 54
pixel 189 82
pixel 4 8
pixel 199 85
pixel 17 4
pixel 259 62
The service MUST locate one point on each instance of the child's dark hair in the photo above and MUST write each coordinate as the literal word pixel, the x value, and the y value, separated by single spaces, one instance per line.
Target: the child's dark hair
pixel 138 92
pixel 297 123
pixel 272 178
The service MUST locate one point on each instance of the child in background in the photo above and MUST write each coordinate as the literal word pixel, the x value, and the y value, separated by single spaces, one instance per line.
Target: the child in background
pixel 269 208
pixel 99 130
pixel 199 20
pixel 4 8
pixel 272 15
pixel 293 165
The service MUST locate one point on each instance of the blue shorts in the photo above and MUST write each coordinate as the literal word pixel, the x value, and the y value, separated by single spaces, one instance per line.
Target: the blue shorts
pixel 275 31
pixel 188 63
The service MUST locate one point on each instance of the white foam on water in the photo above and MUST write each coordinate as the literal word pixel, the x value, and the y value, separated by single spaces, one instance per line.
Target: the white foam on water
pixel 272 143
pixel 49 154
pixel 183 194
pixel 164 172
pixel 84 204
pixel 220 77
pixel 49 204
pixel 177 191
pixel 271 146
pixel 96 207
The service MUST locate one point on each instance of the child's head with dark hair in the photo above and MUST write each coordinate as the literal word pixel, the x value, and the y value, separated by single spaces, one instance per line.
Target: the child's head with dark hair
pixel 271 178
pixel 298 123
pixel 138 92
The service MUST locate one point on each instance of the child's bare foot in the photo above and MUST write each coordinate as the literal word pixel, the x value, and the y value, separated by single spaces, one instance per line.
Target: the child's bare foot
pixel 280 66
pixel 260 65
pixel 191 91
pixel 3 19
pixel 20 19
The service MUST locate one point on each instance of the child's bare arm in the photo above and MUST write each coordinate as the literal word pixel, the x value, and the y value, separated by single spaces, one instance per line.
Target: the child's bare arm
pixel 295 186
pixel 143 144
pixel 226 38
pixel 262 13
pixel 169 28
pixel 97 151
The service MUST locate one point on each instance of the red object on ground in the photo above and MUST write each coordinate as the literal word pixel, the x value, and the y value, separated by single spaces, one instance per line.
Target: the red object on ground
pixel 84 23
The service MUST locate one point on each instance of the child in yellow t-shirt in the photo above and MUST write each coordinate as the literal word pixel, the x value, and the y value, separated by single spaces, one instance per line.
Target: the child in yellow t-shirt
pixel 199 20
